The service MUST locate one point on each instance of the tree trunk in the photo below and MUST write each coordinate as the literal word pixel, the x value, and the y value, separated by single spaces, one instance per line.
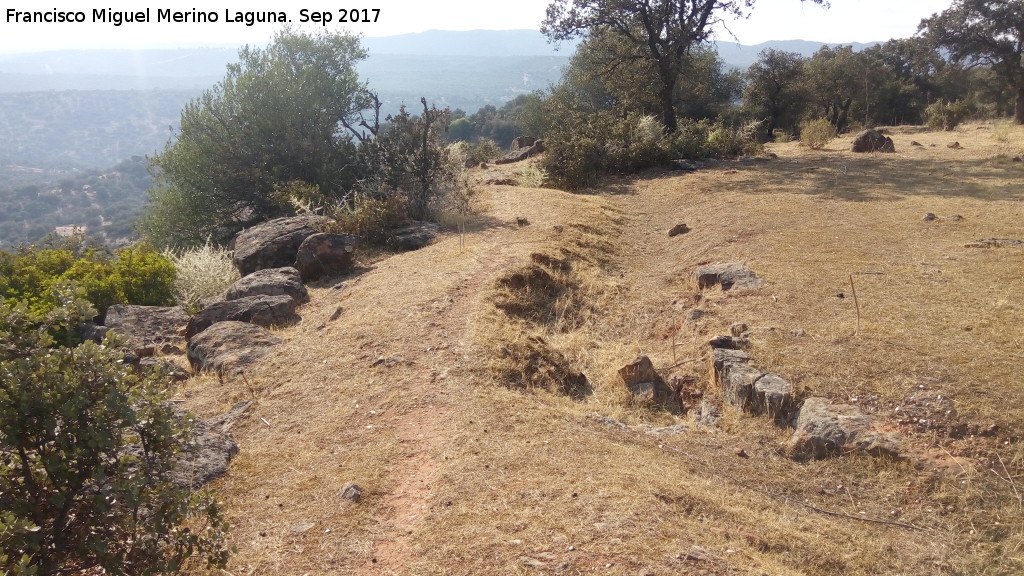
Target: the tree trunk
pixel 1018 112
pixel 668 109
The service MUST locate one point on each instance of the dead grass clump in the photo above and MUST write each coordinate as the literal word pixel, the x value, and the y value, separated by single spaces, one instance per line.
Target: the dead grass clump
pixel 528 361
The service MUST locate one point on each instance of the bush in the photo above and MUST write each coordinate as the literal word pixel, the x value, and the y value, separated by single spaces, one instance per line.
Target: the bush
pixel 202 272
pixel 132 275
pixel 946 115
pixel 815 134
pixel 87 449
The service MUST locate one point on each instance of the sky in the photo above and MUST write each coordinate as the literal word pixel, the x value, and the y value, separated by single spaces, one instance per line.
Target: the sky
pixel 845 21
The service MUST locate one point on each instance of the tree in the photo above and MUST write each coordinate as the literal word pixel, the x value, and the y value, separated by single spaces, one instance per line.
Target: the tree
pixel 774 89
pixel 87 453
pixel 984 33
pixel 662 32
pixel 277 117
pixel 837 77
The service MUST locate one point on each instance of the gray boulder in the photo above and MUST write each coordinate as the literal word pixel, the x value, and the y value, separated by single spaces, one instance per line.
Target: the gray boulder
pixel 644 382
pixel 269 282
pixel 228 345
pixel 520 154
pixel 872 140
pixel 146 328
pixel 274 243
pixel 824 429
pixel 206 457
pixel 325 254
pixel 729 275
pixel 264 311
pixel 415 236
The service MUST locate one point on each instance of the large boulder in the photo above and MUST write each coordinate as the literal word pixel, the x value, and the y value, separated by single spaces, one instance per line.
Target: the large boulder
pixel 264 311
pixel 750 389
pixel 206 456
pixel 274 243
pixel 872 140
pixel 520 154
pixel 644 382
pixel 146 328
pixel 269 282
pixel 728 275
pixel 228 345
pixel 325 254
pixel 825 429
pixel 415 235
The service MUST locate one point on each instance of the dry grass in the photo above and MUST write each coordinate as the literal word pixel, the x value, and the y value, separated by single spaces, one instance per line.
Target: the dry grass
pixel 467 471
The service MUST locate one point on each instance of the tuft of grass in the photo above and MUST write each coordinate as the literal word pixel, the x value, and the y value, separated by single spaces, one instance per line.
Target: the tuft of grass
pixel 202 272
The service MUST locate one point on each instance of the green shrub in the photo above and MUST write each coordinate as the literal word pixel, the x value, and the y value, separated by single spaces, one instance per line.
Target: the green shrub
pixel 815 134
pixel 946 115
pixel 202 272
pixel 87 449
pixel 132 275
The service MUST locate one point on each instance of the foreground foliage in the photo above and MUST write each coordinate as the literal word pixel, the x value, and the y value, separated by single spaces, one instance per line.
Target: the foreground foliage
pixel 87 449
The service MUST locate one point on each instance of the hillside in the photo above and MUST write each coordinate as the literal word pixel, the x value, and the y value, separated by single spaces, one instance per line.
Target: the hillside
pixel 400 378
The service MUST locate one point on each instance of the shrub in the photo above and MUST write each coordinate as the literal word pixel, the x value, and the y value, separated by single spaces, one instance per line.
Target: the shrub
pixel 946 115
pixel 202 272
pixel 815 134
pixel 87 448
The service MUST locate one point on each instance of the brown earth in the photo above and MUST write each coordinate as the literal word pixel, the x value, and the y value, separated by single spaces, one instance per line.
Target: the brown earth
pixel 440 387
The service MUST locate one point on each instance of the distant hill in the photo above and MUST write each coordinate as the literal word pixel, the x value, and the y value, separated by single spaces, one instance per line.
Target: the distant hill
pixel 742 56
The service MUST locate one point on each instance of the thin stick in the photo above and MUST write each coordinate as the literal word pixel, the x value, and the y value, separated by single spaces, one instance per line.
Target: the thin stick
pixel 856 304
pixel 1010 479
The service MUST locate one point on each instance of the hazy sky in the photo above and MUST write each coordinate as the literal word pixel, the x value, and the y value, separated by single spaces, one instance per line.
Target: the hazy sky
pixel 846 21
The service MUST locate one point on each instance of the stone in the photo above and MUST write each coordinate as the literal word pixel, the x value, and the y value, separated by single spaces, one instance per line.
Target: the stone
pixel 954 146
pixel 264 311
pixel 678 229
pixel 228 345
pixel 644 382
pixel 274 243
pixel 916 143
pixel 145 328
pixel 929 217
pixel 733 342
pixel 708 414
pixel 773 396
pixel 522 142
pixel 268 282
pixel 824 429
pixel 415 235
pixel 520 154
pixel 692 315
pixel 325 254
pixel 729 275
pixel 995 243
pixel 92 331
pixel 872 140
pixel 721 356
pixel 351 492
pixel 737 329
pixel 206 456
pixel 737 383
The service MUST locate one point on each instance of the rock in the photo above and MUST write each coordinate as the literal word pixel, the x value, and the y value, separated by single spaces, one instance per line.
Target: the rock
pixel 954 218
pixel 522 142
pixel 954 146
pixel 274 243
pixel 146 328
pixel 644 382
pixel 264 311
pixel 824 429
pixel 325 254
pixel 773 397
pixel 230 344
pixel 692 315
pixel 351 492
pixel 225 421
pixel 92 331
pixel 994 243
pixel 678 229
pixel 732 342
pixel 269 282
pixel 415 236
pixel 737 383
pixel 683 166
pixel 520 154
pixel 721 356
pixel 207 456
pixel 872 141
pixel 709 413
pixel 916 143
pixel 928 217
pixel 729 275
pixel 738 329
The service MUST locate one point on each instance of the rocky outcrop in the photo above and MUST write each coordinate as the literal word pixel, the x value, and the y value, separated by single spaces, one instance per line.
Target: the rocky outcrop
pixel 274 243
pixel 146 328
pixel 729 275
pixel 206 456
pixel 872 141
pixel 521 142
pixel 325 254
pixel 520 154
pixel 269 282
pixel 644 383
pixel 264 311
pixel 748 388
pixel 415 235
pixel 825 429
pixel 228 345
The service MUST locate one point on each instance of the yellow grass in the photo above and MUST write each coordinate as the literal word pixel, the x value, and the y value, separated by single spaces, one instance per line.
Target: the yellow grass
pixel 467 467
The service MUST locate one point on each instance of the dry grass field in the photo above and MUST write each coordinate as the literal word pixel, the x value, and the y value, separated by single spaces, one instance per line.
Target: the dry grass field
pixel 449 385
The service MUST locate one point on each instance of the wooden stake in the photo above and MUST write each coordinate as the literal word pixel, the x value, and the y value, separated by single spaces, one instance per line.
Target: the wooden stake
pixel 856 304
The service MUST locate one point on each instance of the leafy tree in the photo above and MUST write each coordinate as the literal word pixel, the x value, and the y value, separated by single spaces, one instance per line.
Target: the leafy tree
pixel 984 33
pixel 278 116
pixel 837 78
pixel 661 32
pixel 87 453
pixel 775 89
